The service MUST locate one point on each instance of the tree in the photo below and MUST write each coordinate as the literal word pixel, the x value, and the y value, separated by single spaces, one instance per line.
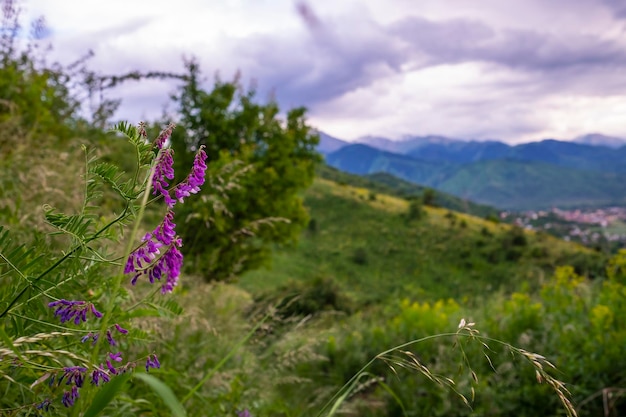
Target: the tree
pixel 258 164
pixel 429 197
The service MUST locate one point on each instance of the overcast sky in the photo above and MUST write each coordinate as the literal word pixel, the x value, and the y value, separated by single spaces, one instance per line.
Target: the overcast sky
pixel 514 70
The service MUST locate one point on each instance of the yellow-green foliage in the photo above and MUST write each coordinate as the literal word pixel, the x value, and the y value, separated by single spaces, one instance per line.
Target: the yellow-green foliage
pixel 418 319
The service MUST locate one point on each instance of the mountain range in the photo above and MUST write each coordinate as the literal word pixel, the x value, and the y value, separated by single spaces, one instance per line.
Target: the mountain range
pixel 589 171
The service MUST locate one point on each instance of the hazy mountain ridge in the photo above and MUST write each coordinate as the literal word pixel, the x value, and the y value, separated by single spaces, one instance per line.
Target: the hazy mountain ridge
pixel 534 175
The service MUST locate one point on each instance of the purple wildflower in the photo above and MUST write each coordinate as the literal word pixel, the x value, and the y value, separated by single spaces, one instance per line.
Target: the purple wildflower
pixel 163 172
pixel 69 397
pixel 164 136
pixel 74 310
pixel 111 367
pixel 93 336
pixel 75 375
pixel 99 375
pixel 244 413
pixel 141 129
pixel 192 183
pixel 152 362
pixel 168 265
pixel 173 261
pixel 44 405
pixel 165 233
pixel 144 260
pixel 117 357
pixel 120 329
pixel 110 339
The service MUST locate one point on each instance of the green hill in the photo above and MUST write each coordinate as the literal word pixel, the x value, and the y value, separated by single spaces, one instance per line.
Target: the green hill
pixel 381 182
pixel 373 252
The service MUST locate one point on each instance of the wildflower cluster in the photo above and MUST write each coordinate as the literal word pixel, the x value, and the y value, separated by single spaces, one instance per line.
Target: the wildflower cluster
pixel 74 310
pixel 159 256
pixel 74 377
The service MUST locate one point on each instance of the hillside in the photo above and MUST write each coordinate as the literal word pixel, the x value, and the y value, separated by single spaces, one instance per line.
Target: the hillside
pixel 384 183
pixel 369 248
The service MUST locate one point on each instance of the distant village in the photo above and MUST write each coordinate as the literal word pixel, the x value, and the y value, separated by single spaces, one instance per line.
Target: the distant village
pixel 591 226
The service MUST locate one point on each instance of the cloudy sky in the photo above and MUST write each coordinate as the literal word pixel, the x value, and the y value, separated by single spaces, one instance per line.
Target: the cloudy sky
pixel 514 70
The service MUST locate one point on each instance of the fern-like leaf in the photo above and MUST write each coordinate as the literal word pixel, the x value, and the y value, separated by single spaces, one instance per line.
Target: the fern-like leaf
pixel 78 226
pixel 114 176
pixel 134 136
pixel 127 130
pixel 166 307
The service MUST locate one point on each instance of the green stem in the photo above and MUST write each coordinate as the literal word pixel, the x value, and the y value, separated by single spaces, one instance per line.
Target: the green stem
pixel 117 280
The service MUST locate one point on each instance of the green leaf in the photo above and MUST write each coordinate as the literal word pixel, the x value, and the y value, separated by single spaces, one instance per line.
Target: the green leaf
pixel 127 130
pixel 167 308
pixel 106 394
pixel 114 176
pixel 163 391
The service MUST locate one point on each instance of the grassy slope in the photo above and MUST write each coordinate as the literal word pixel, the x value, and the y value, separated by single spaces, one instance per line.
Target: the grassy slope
pixel 388 184
pixel 370 249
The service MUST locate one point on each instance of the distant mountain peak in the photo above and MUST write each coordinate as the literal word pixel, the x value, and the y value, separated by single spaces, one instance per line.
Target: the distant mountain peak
pixel 405 143
pixel 329 144
pixel 597 139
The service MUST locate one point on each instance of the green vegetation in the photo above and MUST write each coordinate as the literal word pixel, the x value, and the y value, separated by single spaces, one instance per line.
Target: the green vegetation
pixel 372 313
pixel 258 163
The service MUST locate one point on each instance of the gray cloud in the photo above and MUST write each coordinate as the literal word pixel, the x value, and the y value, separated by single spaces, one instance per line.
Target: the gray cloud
pixel 336 57
pixel 455 41
pixel 325 63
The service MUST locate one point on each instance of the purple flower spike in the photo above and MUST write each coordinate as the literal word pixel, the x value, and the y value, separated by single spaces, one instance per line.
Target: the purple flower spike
pixel 117 357
pixel 69 397
pixel 174 262
pixel 99 375
pixel 195 179
pixel 164 136
pixel 163 172
pixel 75 311
pixel 75 375
pixel 152 362
pixel 144 259
pixel 165 233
